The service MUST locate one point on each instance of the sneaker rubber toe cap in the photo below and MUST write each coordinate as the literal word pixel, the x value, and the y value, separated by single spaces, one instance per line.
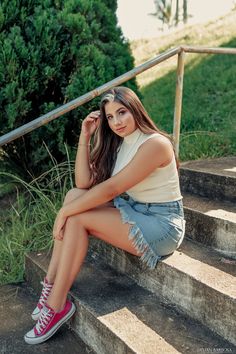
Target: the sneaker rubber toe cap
pixel 29 336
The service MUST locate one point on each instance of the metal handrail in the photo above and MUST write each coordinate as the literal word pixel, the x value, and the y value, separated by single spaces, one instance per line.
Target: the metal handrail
pixel 181 50
pixel 46 118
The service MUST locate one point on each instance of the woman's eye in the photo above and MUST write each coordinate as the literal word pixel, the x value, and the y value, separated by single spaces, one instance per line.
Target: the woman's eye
pixel 121 112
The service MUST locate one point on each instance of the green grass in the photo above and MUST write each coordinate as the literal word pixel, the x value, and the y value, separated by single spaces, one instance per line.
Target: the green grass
pixel 27 224
pixel 208 126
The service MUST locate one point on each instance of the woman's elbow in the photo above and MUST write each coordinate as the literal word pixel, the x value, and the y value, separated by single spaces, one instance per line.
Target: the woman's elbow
pixel 82 185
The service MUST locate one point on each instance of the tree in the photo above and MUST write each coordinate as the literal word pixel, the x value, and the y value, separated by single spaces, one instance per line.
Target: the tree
pixel 164 11
pixel 52 51
pixel 177 13
pixel 170 12
pixel 185 11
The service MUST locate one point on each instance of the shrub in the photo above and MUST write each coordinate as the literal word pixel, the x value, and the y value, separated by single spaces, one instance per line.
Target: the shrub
pixel 52 51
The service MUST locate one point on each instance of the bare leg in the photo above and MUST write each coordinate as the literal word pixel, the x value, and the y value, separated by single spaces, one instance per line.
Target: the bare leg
pixel 74 250
pixel 104 223
pixel 56 253
pixel 57 247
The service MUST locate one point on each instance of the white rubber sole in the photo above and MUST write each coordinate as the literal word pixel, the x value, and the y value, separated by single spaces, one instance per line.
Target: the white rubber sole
pixel 49 334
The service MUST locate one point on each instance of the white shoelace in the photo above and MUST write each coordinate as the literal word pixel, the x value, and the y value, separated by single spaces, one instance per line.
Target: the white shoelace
pixel 45 292
pixel 44 319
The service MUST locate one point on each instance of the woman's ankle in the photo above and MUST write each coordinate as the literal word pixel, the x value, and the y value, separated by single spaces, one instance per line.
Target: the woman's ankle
pixel 49 279
pixel 55 307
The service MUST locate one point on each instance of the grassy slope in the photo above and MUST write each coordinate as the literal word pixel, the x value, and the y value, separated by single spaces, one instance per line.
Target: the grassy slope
pixel 209 112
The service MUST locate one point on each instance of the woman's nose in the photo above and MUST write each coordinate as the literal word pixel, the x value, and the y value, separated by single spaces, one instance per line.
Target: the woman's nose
pixel 117 120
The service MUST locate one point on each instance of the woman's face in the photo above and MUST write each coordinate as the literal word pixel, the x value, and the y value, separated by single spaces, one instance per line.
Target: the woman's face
pixel 120 119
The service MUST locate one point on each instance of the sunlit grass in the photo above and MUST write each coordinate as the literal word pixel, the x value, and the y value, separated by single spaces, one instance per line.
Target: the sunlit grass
pixel 211 34
pixel 208 122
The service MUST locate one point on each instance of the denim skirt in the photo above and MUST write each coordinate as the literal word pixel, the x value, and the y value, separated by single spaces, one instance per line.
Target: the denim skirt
pixel 157 229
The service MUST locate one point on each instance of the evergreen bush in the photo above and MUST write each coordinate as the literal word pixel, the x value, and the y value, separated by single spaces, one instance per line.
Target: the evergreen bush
pixel 52 51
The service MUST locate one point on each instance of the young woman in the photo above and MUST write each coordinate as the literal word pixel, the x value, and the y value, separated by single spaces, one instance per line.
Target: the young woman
pixel 130 155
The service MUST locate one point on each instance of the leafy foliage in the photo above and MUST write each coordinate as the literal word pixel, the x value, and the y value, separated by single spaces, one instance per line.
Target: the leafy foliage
pixel 52 51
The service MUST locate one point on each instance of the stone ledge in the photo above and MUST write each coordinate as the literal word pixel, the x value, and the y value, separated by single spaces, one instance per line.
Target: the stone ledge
pixel 193 278
pixel 212 223
pixel 212 178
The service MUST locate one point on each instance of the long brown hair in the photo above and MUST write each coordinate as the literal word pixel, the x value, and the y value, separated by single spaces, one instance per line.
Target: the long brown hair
pixel 106 142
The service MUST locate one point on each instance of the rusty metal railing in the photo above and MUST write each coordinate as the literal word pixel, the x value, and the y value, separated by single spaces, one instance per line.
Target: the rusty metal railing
pixel 180 51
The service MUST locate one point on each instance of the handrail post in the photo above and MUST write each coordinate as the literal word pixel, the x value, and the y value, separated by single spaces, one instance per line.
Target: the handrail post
pixel 178 100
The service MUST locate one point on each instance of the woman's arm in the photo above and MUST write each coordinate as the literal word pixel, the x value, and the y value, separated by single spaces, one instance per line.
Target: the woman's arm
pixel 83 172
pixel 153 153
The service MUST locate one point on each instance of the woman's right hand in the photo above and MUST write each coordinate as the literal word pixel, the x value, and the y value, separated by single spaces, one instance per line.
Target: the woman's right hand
pixel 90 124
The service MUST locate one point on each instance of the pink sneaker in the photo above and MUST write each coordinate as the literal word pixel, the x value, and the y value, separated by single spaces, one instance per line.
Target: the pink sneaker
pixel 47 287
pixel 49 322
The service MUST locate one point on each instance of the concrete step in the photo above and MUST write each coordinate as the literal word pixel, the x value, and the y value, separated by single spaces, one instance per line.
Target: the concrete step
pixel 212 178
pixel 194 278
pixel 115 315
pixel 211 222
pixel 16 304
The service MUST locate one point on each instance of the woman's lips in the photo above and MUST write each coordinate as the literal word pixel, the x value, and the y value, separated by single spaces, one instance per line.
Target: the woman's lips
pixel 120 129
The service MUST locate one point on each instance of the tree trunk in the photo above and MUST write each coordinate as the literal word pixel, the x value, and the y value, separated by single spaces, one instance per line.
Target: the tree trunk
pixel 185 11
pixel 177 13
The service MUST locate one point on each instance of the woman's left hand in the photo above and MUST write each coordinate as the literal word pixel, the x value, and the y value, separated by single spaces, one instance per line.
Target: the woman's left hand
pixel 59 224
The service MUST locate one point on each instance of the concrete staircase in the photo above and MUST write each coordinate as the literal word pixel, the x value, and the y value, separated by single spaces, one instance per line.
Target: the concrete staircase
pixel 187 304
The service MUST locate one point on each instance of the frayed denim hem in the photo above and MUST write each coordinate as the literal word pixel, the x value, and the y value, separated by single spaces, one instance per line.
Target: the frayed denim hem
pixel 138 240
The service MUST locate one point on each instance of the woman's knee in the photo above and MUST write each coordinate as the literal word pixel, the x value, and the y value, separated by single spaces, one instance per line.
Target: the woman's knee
pixel 74 226
pixel 73 194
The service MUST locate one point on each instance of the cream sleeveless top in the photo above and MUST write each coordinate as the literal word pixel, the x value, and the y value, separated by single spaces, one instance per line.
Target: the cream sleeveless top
pixel 162 185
